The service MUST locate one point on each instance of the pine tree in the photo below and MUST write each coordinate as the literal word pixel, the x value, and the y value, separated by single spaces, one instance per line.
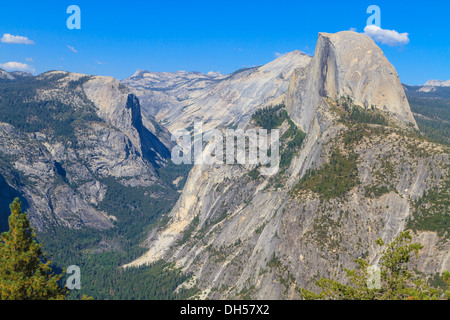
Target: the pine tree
pixel 24 272
pixel 396 281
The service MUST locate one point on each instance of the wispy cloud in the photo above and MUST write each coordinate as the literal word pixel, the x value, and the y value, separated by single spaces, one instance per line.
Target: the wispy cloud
pixel 29 59
pixel 9 38
pixel 72 48
pixel 17 66
pixel 277 54
pixel 389 37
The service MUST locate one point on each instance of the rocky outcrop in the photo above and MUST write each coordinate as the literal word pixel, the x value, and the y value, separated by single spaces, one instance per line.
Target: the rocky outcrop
pixel 347 64
pixel 152 149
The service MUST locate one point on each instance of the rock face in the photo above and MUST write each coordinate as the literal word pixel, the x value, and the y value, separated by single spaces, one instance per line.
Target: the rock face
pixel 225 101
pixel 261 238
pixel 347 64
pixel 61 176
pixel 122 109
pixel 161 92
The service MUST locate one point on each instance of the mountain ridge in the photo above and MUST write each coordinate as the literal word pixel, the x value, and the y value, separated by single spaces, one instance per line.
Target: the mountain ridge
pixel 353 168
pixel 264 237
pixel 437 83
pixel 75 131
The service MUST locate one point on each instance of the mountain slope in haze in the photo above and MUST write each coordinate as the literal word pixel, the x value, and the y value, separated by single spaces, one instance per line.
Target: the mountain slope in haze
pixel 15 75
pixel 431 108
pixel 363 171
pixel 6 76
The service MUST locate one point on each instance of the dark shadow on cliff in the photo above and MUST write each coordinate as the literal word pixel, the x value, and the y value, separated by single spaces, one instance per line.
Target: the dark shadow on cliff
pixel 151 146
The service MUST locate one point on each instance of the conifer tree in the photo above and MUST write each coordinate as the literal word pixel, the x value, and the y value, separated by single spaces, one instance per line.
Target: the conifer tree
pixel 24 272
pixel 396 281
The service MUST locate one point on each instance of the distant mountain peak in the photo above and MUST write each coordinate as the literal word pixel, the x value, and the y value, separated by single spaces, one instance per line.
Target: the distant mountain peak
pixel 437 83
pixel 141 73
pixel 21 74
pixel 5 75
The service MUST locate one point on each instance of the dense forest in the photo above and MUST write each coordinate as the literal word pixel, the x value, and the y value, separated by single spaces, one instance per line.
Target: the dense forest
pixel 21 109
pixel 100 254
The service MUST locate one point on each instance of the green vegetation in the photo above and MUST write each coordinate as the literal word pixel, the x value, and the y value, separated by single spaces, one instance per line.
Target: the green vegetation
pixel 294 137
pixel 270 117
pixel 260 229
pixel 290 142
pixel 432 117
pixel 274 262
pixel 359 115
pixel 188 231
pixel 170 172
pixel 322 232
pixel 431 211
pixel 136 208
pixel 446 278
pixel 25 274
pixel 396 281
pixel 354 114
pixel 441 282
pixel 334 179
pixel 100 253
pixel 21 109
pixel 254 174
pixel 375 191
pixel 100 257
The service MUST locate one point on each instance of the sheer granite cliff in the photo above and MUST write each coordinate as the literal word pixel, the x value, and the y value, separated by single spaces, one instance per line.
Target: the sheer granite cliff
pixel 347 64
pixel 263 237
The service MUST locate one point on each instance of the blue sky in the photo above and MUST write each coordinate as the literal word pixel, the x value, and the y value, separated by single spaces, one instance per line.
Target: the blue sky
pixel 119 37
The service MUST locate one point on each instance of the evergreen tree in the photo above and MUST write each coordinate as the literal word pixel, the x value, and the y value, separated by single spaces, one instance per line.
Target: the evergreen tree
pixel 396 281
pixel 446 277
pixel 24 272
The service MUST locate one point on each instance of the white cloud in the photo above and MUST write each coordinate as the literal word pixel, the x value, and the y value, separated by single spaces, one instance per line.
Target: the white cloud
pixel 389 37
pixel 17 66
pixel 353 29
pixel 72 48
pixel 29 59
pixel 9 38
pixel 277 54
